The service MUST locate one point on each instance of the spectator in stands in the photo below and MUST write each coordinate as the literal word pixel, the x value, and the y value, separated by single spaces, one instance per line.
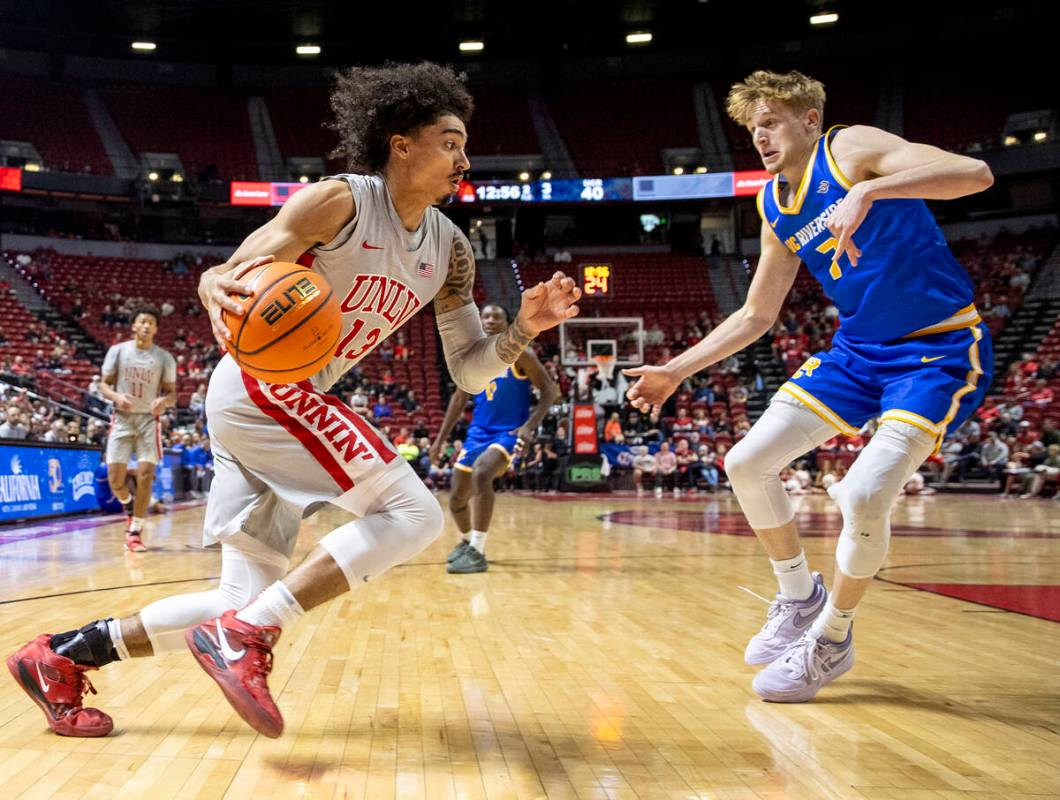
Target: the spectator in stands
pixel 167 308
pixel 1042 394
pixel 410 403
pixel 1018 471
pixel 1050 435
pixel 643 464
pixel 686 475
pixel 739 394
pixel 3 337
pixel 705 468
pixel 994 457
pixel 969 453
pixel 197 401
pixel 381 409
pixel 1046 472
pixel 550 467
pixel 14 426
pixel 1047 369
pixel 682 422
pixel 407 448
pixel 203 465
pixel 654 336
pixel 56 432
pixel 613 429
pixel 665 470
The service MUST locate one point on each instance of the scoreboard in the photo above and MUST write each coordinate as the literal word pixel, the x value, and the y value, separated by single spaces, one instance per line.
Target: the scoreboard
pixel 575 190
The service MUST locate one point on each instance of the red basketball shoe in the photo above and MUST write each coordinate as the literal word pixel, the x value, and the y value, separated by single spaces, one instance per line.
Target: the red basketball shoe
pixel 238 656
pixel 57 685
pixel 133 542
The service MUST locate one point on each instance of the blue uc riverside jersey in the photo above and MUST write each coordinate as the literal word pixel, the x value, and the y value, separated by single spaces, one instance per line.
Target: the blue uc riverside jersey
pixel 504 405
pixel 906 281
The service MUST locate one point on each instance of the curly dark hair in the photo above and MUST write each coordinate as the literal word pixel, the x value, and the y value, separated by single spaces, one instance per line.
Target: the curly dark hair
pixel 147 308
pixel 371 104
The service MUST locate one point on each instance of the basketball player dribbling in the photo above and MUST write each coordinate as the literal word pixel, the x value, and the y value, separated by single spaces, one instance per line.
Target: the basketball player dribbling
pixel 134 372
pixel 501 425
pixel 910 349
pixel 284 450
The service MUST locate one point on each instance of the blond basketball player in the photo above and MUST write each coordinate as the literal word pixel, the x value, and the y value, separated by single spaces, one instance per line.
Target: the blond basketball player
pixel 910 349
pixel 284 450
pixel 140 380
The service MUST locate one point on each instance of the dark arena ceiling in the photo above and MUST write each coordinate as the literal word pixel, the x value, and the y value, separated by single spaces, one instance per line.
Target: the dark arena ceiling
pixel 350 31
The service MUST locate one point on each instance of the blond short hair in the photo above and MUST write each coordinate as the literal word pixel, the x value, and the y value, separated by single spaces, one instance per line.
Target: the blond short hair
pixel 791 88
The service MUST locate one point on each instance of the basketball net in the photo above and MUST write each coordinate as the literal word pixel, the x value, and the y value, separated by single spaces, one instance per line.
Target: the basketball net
pixel 605 366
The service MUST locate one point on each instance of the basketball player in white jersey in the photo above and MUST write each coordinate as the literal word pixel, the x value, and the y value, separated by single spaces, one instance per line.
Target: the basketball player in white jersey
pixel 284 450
pixel 140 380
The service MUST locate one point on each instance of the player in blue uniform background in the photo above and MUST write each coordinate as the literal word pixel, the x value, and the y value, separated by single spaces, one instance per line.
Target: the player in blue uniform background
pixel 501 426
pixel 910 349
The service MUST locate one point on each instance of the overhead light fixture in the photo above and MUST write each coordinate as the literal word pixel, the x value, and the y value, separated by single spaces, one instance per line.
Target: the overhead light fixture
pixel 152 176
pixel 679 170
pixel 308 49
pixel 546 175
pixel 303 179
pixel 524 176
pixel 1011 140
pixel 1040 136
pixel 31 166
pixel 144 47
pixel 700 170
pixel 824 19
pixel 472 46
pixel 642 37
pixel 176 177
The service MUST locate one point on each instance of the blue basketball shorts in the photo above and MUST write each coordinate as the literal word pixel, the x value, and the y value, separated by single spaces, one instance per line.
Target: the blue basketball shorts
pixel 478 441
pixel 934 381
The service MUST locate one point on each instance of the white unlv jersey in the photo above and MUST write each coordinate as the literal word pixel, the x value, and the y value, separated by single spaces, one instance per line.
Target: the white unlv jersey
pixel 382 273
pixel 140 373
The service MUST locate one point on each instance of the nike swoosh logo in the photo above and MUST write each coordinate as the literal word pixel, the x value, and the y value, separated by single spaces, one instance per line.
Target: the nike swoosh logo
pixel 226 649
pixel 800 621
pixel 43 681
pixel 773 224
pixel 367 246
pixel 926 360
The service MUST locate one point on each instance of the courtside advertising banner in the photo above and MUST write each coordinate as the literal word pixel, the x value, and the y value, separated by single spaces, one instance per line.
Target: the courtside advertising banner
pixel 584 429
pixel 39 481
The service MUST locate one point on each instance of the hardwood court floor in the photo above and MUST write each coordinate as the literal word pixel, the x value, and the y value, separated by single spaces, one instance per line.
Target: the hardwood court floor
pixel 600 657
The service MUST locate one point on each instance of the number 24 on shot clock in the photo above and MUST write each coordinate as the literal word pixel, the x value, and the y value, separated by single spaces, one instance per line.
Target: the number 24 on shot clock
pixel 596 279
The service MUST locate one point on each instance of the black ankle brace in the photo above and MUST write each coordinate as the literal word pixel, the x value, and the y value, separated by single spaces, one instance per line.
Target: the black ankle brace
pixel 89 646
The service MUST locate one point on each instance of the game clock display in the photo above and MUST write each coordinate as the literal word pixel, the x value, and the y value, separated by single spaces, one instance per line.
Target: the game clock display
pixel 578 190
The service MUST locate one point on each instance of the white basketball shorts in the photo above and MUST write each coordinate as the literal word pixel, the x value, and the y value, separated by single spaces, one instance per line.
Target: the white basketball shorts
pixel 134 433
pixel 283 450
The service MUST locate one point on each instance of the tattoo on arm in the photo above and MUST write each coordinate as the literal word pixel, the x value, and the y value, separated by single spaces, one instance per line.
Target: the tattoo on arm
pixel 512 343
pixel 458 286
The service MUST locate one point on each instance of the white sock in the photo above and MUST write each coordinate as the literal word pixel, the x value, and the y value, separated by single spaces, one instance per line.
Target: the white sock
pixel 478 540
pixel 126 499
pixel 833 623
pixel 793 575
pixel 274 606
pixel 137 524
pixel 114 631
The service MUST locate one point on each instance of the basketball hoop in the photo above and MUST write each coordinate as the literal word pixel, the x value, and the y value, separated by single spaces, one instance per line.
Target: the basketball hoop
pixel 605 365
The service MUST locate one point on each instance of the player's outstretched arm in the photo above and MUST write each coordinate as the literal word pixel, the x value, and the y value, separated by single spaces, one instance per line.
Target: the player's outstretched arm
pixel 457 404
pixel 886 167
pixel 547 389
pixel 314 215
pixel 473 358
pixel 776 272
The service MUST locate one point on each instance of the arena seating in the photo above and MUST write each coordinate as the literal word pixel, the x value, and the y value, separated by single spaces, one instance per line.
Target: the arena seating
pixel 56 110
pixel 148 280
pixel 298 120
pixel 204 127
pixel 620 127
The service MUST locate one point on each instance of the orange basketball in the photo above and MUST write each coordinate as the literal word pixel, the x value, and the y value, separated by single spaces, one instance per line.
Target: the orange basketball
pixel 291 323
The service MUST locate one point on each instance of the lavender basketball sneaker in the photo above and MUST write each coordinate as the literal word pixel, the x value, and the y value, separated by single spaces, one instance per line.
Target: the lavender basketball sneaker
pixel 809 664
pixel 787 621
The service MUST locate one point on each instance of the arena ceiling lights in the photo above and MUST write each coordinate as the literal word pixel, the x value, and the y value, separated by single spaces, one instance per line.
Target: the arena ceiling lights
pixel 308 49
pixel 640 37
pixel 472 46
pixel 828 18
pixel 144 47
